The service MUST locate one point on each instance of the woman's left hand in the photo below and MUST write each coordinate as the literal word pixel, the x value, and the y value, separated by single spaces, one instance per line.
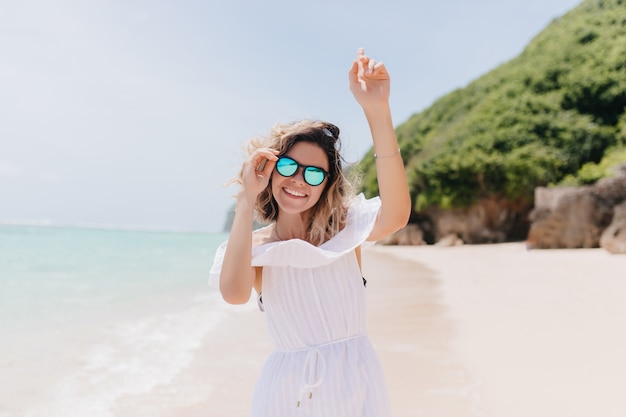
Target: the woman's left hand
pixel 369 80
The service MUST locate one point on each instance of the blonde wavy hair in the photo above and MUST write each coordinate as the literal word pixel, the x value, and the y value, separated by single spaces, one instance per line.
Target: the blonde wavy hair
pixel 328 216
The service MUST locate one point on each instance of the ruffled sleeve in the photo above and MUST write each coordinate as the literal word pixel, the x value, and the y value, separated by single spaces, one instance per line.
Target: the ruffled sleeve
pixel 297 253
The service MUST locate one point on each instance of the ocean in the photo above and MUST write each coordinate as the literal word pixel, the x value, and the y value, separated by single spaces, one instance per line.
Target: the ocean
pixel 88 317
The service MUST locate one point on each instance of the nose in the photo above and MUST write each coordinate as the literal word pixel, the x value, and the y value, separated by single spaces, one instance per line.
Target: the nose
pixel 299 175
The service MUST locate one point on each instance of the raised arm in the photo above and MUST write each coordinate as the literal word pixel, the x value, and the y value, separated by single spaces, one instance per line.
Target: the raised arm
pixel 370 85
pixel 237 275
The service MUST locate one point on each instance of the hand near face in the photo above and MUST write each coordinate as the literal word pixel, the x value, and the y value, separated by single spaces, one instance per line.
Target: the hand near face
pixel 257 170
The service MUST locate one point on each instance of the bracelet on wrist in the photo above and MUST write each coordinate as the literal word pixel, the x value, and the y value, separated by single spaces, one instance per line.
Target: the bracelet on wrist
pixel 376 156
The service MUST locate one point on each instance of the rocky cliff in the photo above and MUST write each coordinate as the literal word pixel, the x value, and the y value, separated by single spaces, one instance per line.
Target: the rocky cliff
pixel 581 217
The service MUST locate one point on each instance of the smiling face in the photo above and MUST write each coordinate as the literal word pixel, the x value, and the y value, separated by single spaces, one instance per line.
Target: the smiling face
pixel 293 194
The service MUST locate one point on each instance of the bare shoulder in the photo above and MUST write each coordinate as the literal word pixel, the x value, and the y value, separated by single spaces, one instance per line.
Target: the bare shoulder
pixel 263 235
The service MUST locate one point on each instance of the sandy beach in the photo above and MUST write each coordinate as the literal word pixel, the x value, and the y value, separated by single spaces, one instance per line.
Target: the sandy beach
pixel 537 332
pixel 468 331
pixel 493 330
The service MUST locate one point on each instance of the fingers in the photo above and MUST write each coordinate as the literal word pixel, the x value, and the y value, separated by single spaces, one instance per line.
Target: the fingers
pixel 268 168
pixel 262 161
pixel 363 60
pixel 373 68
pixel 370 65
pixel 357 70
pixel 379 71
pixel 259 158
pixel 365 67
pixel 353 74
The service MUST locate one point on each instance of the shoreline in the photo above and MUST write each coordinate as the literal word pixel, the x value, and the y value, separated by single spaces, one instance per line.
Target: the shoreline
pixel 477 331
pixel 423 373
pixel 473 330
pixel 412 331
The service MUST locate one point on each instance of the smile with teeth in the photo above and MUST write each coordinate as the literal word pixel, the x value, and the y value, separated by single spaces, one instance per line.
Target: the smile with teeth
pixel 294 192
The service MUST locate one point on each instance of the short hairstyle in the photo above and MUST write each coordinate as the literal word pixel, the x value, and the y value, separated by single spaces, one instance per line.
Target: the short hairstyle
pixel 328 216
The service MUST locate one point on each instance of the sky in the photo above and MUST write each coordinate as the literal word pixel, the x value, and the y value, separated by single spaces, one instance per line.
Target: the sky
pixel 135 114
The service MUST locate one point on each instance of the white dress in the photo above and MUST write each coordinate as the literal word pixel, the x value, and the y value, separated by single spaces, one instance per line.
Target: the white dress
pixel 314 301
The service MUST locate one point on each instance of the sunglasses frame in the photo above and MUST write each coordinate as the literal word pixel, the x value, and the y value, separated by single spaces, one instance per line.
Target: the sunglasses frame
pixel 304 168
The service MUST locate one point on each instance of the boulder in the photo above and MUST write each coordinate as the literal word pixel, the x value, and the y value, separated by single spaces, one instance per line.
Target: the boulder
pixel 450 240
pixel 411 235
pixel 613 239
pixel 577 221
pixel 575 217
pixel 489 220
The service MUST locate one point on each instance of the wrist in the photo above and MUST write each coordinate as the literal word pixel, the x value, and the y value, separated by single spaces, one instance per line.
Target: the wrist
pixel 379 120
pixel 377 111
pixel 245 201
pixel 376 106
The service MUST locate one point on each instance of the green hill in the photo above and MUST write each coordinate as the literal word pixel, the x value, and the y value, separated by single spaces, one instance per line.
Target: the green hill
pixel 555 114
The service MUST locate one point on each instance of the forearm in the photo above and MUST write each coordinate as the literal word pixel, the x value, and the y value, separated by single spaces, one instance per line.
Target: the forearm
pixel 392 183
pixel 381 127
pixel 237 276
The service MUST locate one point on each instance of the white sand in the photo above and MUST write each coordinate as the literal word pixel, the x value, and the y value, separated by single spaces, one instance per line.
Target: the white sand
pixel 471 331
pixel 541 333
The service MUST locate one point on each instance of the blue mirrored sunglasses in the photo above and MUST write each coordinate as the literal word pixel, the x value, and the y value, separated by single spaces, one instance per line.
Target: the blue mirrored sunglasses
pixel 287 167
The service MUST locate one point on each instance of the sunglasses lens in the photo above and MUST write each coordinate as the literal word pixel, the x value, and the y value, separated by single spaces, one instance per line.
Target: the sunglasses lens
pixel 314 176
pixel 286 167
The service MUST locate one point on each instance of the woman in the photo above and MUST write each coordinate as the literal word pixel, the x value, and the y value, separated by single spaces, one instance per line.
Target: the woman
pixel 305 266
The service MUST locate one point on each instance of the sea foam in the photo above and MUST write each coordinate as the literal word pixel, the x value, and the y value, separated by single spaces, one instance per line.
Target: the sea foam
pixel 135 358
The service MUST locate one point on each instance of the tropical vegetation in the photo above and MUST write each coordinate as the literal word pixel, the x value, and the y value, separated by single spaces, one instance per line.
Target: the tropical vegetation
pixel 556 114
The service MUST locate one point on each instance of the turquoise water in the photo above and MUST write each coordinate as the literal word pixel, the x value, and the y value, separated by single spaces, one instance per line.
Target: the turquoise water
pixel 89 317
pixel 47 272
